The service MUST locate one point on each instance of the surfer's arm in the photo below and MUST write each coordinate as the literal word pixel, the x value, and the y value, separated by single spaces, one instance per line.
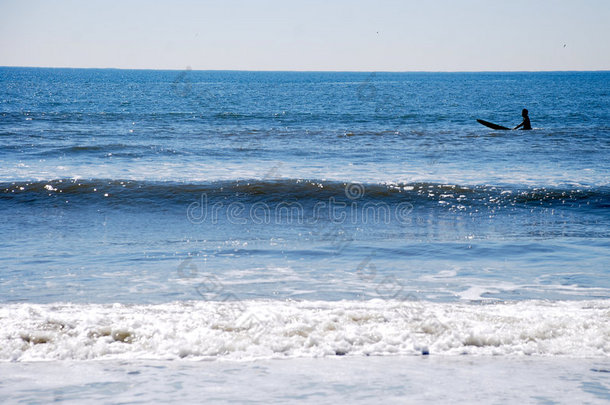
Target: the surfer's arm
pixel 519 126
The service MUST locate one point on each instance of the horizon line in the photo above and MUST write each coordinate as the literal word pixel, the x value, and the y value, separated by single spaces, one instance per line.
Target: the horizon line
pixel 188 68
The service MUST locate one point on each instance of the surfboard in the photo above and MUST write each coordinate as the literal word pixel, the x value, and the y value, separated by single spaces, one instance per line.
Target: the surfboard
pixel 492 125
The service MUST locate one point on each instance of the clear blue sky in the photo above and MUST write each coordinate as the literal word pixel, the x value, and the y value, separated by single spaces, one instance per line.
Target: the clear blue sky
pixel 394 35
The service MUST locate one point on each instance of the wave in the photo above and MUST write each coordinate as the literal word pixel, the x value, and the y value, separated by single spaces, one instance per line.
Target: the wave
pixel 114 149
pixel 450 196
pixel 247 330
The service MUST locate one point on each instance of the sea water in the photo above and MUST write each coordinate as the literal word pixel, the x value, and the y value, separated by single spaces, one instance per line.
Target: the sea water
pixel 284 236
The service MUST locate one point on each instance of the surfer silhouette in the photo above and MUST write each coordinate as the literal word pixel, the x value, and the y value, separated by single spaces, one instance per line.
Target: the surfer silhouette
pixel 526 125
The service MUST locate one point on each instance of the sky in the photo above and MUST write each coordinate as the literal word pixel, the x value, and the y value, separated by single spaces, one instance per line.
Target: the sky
pixel 336 35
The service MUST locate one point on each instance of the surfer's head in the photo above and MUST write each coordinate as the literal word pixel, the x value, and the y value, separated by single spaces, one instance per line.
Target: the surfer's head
pixel 524 113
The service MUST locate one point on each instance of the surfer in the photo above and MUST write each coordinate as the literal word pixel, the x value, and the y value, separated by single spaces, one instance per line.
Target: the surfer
pixel 526 121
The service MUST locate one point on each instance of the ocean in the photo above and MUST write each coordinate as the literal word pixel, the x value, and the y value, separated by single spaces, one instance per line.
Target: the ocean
pixel 312 237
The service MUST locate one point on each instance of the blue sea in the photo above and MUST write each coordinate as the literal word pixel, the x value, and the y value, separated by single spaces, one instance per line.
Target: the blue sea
pixel 303 237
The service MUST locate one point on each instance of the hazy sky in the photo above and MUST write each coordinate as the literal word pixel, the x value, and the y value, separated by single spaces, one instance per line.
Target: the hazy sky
pixel 376 35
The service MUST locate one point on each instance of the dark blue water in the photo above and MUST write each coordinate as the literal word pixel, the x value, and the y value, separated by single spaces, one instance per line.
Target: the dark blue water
pixel 143 186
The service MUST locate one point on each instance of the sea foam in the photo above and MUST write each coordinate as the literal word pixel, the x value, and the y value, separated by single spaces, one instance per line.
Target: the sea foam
pixel 247 330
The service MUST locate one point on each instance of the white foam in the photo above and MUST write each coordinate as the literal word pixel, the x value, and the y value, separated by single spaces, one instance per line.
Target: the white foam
pixel 276 329
pixel 46 170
